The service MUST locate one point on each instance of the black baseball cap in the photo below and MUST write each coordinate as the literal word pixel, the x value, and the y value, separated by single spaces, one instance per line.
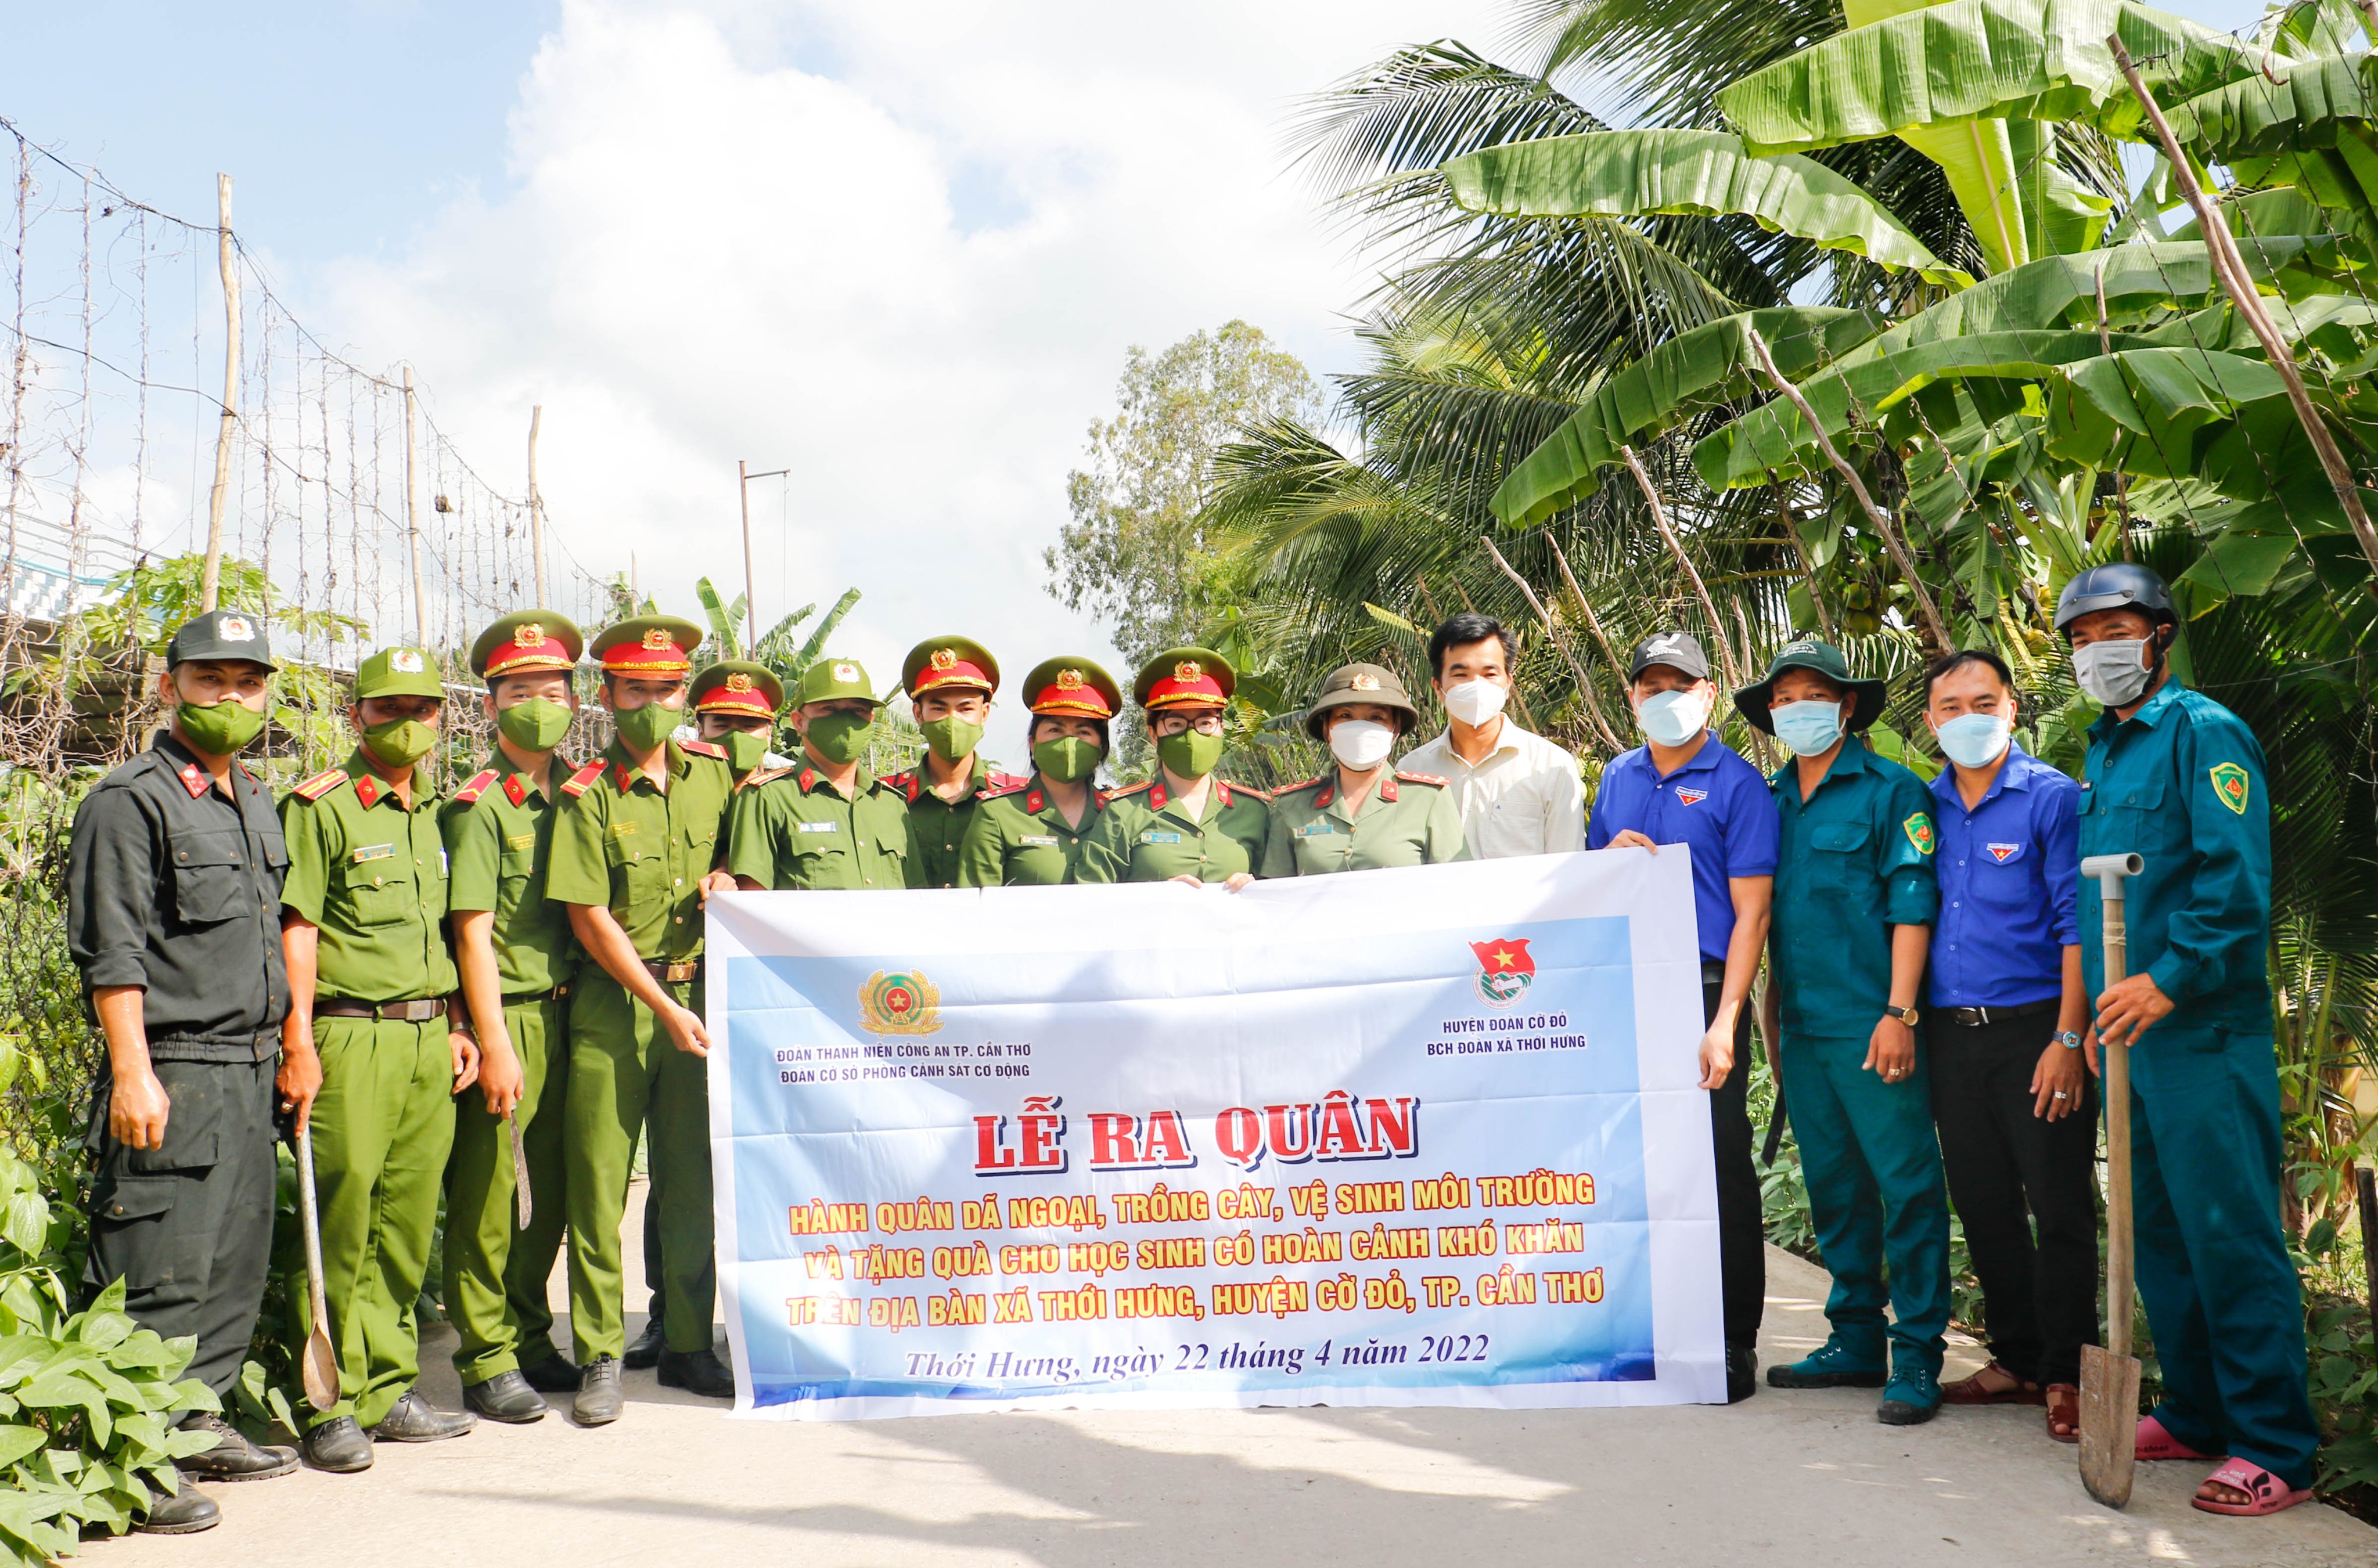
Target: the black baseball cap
pixel 221 634
pixel 1677 650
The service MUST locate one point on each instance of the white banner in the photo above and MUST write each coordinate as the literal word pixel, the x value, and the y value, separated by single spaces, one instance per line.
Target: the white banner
pixel 1413 1137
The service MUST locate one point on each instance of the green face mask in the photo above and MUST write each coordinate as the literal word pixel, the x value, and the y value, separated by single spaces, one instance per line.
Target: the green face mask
pixel 1068 759
pixel 1190 755
pixel 537 724
pixel 400 743
pixel 641 729
pixel 841 738
pixel 951 737
pixel 219 729
pixel 744 750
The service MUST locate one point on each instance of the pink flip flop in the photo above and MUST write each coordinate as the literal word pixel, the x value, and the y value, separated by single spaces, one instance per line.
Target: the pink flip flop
pixel 2268 1493
pixel 2154 1442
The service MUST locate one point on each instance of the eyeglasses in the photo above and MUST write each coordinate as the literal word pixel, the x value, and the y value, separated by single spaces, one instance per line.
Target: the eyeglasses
pixel 1174 724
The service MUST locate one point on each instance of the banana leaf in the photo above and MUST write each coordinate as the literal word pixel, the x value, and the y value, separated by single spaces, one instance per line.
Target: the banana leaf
pixel 1686 173
pixel 2297 107
pixel 1977 157
pixel 2145 410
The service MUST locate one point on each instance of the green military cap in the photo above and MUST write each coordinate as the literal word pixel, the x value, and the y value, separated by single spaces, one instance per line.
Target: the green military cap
pixel 221 634
pixel 1352 684
pixel 527 640
pixel 832 680
pixel 1185 677
pixel 1072 685
pixel 1824 659
pixel 938 661
pixel 737 685
pixel 648 645
pixel 399 672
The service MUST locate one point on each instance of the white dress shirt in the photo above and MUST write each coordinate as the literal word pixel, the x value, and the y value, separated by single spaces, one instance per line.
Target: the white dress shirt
pixel 1524 798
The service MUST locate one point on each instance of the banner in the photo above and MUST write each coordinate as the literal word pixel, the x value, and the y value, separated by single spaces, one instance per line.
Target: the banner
pixel 1411 1137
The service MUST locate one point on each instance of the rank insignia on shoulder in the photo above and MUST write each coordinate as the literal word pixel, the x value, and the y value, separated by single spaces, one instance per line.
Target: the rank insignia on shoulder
pixel 1293 788
pixel 703 749
pixel 1428 779
pixel 469 793
pixel 582 780
pixel 759 777
pixel 1918 828
pixel 320 785
pixel 2231 784
pixel 997 791
pixel 1121 791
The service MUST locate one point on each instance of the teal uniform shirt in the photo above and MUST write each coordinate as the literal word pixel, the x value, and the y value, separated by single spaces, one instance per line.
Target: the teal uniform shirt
pixel 2180 784
pixel 1855 860
pixel 1019 839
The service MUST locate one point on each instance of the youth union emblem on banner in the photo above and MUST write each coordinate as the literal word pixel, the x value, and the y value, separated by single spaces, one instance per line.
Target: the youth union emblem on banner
pixel 1505 971
pixel 899 1004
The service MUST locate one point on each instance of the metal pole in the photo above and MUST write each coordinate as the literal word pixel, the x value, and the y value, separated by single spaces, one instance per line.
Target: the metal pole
pixel 413 516
pixel 536 508
pixel 210 583
pixel 751 585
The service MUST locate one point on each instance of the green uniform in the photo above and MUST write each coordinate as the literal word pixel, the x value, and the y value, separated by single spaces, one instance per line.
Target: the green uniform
pixel 498 831
pixel 1411 819
pixel 620 843
pixel 794 829
pixel 1143 837
pixel 371 876
pixel 1019 839
pixel 937 828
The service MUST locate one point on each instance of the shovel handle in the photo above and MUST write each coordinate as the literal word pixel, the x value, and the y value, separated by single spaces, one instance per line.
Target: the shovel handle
pixel 2114 1060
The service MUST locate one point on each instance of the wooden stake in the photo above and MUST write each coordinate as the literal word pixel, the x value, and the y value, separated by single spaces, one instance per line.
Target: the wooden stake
pixel 1593 621
pixel 413 516
pixel 2229 265
pixel 1875 514
pixel 536 506
pixel 1585 682
pixel 1718 633
pixel 226 256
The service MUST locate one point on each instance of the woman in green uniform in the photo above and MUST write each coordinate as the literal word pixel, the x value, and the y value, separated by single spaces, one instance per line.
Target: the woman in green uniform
pixel 1363 814
pixel 1031 835
pixel 1184 825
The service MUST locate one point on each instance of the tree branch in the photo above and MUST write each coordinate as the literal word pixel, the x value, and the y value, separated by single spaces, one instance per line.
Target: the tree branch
pixel 1585 682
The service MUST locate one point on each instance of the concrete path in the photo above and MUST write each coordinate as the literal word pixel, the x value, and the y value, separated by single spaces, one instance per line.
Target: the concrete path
pixel 1783 1479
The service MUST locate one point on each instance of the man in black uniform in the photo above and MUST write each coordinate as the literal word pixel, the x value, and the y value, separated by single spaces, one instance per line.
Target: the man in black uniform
pixel 174 916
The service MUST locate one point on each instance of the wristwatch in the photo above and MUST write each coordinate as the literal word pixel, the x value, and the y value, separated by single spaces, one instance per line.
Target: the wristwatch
pixel 2069 1040
pixel 1904 1014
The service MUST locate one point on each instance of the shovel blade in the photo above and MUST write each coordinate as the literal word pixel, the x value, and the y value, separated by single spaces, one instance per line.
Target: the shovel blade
pixel 320 1370
pixel 2110 1424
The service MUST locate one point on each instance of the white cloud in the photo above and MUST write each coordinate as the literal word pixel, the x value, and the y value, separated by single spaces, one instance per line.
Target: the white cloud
pixel 899 249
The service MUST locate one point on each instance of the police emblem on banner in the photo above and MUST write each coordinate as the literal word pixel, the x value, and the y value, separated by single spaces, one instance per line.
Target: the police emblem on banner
pixel 899 1004
pixel 1505 971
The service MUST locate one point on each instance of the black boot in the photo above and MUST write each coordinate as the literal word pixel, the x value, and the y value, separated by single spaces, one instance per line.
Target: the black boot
pixel 555 1373
pixel 413 1419
pixel 697 1371
pixel 1741 1374
pixel 233 1458
pixel 337 1445
pixel 646 1349
pixel 185 1513
pixel 598 1400
pixel 505 1397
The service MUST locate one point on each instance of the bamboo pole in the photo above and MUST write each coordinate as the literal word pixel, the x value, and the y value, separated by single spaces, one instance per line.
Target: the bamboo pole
pixel 413 516
pixel 227 254
pixel 2229 266
pixel 1718 633
pixel 1585 682
pixel 1881 520
pixel 536 508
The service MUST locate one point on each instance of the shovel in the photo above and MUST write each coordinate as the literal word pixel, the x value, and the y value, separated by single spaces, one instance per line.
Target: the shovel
pixel 319 1368
pixel 521 1203
pixel 2109 1374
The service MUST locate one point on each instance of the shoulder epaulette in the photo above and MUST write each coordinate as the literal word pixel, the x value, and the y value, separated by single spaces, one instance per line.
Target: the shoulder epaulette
pixel 1228 789
pixel 1122 790
pixel 320 785
pixel 469 793
pixel 1423 778
pixel 584 779
pixel 997 791
pixel 1293 788
pixel 759 777
pixel 703 749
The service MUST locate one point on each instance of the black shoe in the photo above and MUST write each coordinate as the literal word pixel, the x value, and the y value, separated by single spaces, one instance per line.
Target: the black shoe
pixel 505 1397
pixel 185 1513
pixel 233 1458
pixel 646 1349
pixel 697 1371
pixel 1741 1374
pixel 598 1400
pixel 555 1375
pixel 338 1445
pixel 413 1419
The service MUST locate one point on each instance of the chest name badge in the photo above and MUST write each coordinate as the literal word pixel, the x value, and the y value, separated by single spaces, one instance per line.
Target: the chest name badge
pixel 520 841
pixel 1153 837
pixel 624 830
pixel 2002 853
pixel 1315 829
pixel 1039 840
pixel 374 852
pixel 817 827
pixel 1690 797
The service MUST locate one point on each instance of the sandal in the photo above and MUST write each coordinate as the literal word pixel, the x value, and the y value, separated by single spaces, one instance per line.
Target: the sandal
pixel 1975 1389
pixel 2266 1493
pixel 2064 1412
pixel 2154 1442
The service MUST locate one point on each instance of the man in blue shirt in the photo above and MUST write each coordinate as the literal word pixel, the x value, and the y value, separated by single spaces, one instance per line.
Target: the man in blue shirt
pixel 1687 786
pixel 2018 1128
pixel 2177 779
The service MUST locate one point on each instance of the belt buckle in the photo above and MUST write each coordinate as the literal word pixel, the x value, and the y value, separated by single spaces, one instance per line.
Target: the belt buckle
pixel 679 974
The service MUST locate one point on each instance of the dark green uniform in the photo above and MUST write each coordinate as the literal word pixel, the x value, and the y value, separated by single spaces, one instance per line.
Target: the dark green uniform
pixel 1411 819
pixel 620 843
pixel 937 828
pixel 1144 836
pixel 498 831
pixel 1018 839
pixel 372 875
pixel 794 829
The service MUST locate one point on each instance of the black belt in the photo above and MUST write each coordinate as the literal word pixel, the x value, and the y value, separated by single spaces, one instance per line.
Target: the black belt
pixel 1712 972
pixel 1975 1017
pixel 421 1009
pixel 264 1048
pixel 673 974
pixel 551 993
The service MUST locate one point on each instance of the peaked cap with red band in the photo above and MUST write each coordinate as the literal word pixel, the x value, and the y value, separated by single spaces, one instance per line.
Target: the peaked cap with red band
pixel 1185 677
pixel 648 645
pixel 940 662
pixel 735 686
pixel 1074 687
pixel 527 640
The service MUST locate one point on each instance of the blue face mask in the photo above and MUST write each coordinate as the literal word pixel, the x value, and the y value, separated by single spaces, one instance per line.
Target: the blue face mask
pixel 1672 718
pixel 1975 740
pixel 1809 729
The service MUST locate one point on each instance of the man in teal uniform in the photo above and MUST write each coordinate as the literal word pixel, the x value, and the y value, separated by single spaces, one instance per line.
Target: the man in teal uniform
pixel 1031 835
pixel 1186 824
pixel 513 947
pixel 825 821
pixel 1361 814
pixel 949 682
pixel 1854 899
pixel 2177 779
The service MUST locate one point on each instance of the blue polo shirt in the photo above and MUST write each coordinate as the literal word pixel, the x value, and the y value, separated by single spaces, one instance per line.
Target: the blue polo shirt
pixel 2010 872
pixel 1717 803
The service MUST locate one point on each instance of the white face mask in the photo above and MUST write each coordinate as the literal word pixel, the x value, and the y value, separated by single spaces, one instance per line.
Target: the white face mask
pixel 2114 674
pixel 1361 744
pixel 1673 718
pixel 1475 702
